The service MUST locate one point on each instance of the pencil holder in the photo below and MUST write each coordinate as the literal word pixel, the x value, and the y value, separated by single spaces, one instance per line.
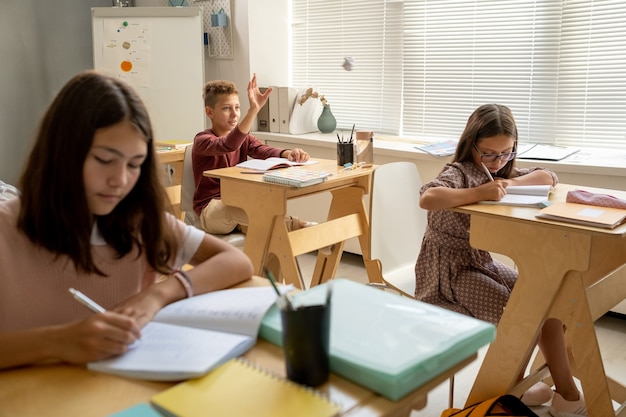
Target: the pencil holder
pixel 306 341
pixel 345 153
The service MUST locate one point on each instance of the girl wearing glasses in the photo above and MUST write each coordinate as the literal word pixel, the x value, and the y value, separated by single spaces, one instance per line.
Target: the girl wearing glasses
pixel 451 274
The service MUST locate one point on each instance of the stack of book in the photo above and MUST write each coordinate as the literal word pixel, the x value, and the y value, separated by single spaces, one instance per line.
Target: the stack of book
pixel 385 342
pixel 296 177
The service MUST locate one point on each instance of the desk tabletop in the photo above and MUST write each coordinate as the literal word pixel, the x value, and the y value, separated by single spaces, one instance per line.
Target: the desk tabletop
pixel 338 173
pixel 62 390
pixel 170 155
pixel 527 214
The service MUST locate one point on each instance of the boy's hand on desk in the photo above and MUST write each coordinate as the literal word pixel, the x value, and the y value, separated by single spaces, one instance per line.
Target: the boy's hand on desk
pixel 296 155
pixel 98 337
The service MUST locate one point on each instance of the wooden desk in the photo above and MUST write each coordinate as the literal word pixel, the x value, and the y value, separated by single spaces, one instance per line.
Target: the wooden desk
pixel 266 206
pixel 66 390
pixel 565 271
pixel 174 158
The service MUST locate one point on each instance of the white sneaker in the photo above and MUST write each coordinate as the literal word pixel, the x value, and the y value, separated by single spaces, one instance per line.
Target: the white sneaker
pixel 560 407
pixel 538 394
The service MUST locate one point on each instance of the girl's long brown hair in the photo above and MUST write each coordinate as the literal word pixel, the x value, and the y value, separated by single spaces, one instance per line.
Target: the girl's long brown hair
pixel 54 212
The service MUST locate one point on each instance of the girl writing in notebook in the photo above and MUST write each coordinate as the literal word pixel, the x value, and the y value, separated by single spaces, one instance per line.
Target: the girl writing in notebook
pixel 92 216
pixel 452 274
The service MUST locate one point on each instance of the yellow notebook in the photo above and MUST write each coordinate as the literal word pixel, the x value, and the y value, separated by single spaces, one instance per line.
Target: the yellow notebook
pixel 239 388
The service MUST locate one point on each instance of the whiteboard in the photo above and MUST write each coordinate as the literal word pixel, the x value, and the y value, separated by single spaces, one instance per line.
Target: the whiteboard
pixel 160 52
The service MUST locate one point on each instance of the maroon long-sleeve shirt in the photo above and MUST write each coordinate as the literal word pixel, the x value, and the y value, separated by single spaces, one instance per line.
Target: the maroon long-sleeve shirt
pixel 211 152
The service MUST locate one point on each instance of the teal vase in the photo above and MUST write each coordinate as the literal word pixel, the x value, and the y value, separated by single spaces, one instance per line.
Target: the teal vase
pixel 327 122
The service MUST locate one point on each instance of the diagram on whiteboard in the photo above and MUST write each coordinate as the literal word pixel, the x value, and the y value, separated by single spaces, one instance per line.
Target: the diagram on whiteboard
pixel 126 50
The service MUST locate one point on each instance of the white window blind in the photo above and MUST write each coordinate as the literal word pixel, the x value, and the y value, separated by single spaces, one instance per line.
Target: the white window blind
pixel 421 67
pixel 325 32
pixel 592 77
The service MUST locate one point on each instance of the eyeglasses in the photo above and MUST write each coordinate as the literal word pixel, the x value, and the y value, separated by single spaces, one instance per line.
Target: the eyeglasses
pixel 492 157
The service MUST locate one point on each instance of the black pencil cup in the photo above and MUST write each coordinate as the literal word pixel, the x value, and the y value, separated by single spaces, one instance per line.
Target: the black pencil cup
pixel 345 153
pixel 306 341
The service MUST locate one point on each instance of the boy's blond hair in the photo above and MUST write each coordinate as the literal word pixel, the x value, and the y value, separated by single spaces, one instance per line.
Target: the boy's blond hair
pixel 216 88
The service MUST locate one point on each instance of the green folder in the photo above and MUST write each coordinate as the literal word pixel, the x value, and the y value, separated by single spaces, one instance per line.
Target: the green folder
pixel 389 343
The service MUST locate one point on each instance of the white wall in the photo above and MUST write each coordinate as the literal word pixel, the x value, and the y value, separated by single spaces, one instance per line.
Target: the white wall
pixel 44 43
pixel 260 42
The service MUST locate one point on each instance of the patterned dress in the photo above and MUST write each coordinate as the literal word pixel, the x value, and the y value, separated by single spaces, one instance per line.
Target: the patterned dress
pixel 450 273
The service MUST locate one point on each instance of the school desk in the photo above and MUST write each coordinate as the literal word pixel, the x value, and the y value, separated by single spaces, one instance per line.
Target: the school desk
pixel 266 206
pixel 67 390
pixel 566 271
pixel 173 158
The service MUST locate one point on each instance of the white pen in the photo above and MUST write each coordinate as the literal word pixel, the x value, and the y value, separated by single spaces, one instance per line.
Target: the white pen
pixel 487 171
pixel 87 302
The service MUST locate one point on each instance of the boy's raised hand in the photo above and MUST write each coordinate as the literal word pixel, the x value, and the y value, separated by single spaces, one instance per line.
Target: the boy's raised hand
pixel 255 97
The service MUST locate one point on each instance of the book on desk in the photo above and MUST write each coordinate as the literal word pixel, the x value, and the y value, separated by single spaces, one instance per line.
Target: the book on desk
pixel 524 195
pixel 188 338
pixel 543 152
pixel 272 163
pixel 389 343
pixel 241 388
pixel 584 214
pixel 441 148
pixel 296 177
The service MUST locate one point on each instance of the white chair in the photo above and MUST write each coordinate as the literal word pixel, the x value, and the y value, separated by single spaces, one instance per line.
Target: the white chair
pixel 397 224
pixel 186 203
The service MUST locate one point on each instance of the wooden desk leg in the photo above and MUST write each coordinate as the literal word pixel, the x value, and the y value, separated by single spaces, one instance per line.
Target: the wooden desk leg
pixel 588 364
pixel 262 204
pixel 344 201
pixel 544 256
pixel 280 246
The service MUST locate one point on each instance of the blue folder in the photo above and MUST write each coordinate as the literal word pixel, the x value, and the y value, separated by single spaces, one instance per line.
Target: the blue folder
pixel 389 343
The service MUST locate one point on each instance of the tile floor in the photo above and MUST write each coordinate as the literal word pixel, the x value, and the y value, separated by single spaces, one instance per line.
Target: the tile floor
pixel 611 333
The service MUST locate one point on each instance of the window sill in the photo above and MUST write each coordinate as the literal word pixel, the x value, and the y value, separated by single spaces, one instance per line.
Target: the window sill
pixel 588 161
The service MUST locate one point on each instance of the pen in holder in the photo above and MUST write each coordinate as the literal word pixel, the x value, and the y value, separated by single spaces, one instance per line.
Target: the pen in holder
pixel 345 149
pixel 306 342
pixel 345 153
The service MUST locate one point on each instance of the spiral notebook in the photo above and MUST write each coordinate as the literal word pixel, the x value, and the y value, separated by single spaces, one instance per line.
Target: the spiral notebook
pixel 240 388
pixel 296 177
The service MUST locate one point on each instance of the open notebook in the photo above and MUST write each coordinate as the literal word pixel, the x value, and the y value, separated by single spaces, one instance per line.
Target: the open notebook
pixel 524 195
pixel 188 338
pixel 272 163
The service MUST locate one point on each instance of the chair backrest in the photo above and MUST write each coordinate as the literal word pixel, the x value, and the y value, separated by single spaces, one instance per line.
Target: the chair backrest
pixel 7 191
pixel 397 223
pixel 188 187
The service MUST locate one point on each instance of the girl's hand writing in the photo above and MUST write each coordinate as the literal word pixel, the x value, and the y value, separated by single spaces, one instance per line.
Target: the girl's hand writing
pixel 492 190
pixel 98 337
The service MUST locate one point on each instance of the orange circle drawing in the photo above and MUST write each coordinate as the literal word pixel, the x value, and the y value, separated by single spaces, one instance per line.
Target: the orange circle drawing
pixel 126 66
